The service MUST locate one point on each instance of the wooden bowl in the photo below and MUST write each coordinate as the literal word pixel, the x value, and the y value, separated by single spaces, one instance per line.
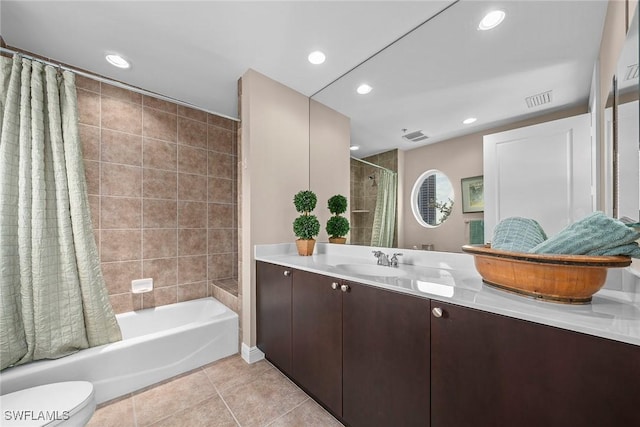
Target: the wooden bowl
pixel 569 279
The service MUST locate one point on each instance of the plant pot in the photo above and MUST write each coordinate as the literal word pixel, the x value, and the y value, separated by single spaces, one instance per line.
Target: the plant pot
pixel 338 240
pixel 305 247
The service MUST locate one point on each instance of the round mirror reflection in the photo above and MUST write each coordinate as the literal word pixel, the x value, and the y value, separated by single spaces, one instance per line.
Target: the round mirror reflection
pixel 432 198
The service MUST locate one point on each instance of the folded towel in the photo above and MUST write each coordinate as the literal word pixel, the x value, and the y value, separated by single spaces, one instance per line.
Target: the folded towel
pixel 476 232
pixel 517 234
pixel 595 234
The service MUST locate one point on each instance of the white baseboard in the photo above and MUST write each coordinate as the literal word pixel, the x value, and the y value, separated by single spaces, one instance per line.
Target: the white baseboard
pixel 251 354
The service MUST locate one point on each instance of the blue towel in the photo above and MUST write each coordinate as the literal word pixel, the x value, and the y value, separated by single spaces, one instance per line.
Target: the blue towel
pixel 476 232
pixel 517 234
pixel 595 234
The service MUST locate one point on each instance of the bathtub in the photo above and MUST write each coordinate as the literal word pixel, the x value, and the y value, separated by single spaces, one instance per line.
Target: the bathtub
pixel 157 343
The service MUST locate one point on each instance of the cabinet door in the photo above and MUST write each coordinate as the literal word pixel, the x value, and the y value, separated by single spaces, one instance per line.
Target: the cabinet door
pixel 273 312
pixel 491 370
pixel 317 338
pixel 385 358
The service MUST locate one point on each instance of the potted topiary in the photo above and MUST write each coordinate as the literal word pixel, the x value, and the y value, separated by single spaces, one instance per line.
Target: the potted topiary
pixel 306 226
pixel 337 226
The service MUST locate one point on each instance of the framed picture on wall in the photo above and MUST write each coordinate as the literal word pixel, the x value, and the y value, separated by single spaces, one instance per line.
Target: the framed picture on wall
pixel 472 194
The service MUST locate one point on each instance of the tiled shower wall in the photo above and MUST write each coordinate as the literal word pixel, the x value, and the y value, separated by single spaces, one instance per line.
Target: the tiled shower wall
pixel 364 195
pixel 162 184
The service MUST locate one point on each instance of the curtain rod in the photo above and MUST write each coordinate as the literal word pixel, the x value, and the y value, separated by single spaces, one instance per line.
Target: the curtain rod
pixel 113 82
pixel 372 164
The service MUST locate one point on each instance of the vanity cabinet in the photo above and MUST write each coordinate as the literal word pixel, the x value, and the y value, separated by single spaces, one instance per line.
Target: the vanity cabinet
pixel 492 370
pixel 361 351
pixel 273 300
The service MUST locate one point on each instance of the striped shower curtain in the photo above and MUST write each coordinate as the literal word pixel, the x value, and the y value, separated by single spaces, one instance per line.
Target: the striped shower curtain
pixel 53 299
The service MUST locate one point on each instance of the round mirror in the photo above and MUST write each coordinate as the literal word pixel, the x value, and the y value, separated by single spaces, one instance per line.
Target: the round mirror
pixel 432 198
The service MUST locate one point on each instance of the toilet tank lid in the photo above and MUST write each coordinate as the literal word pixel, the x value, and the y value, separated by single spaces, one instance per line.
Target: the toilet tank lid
pixel 47 402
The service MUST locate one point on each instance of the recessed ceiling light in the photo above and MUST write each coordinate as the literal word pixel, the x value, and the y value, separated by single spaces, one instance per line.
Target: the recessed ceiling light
pixel 117 61
pixel 491 20
pixel 364 89
pixel 469 120
pixel 354 147
pixel 316 57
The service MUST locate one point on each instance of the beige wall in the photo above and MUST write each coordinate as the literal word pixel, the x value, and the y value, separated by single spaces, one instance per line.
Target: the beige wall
pixel 277 162
pixel 329 159
pixel 458 158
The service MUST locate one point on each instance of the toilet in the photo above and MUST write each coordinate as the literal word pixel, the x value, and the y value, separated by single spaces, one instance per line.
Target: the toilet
pixel 69 404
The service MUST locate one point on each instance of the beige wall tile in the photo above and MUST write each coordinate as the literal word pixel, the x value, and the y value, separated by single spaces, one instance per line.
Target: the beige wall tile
pixel 192 113
pixel 160 154
pixel 192 269
pixel 221 190
pixel 192 241
pixel 121 180
pixel 92 175
pixel 118 275
pixel 159 184
pixel 221 165
pixel 222 266
pixel 159 104
pixel 192 187
pixel 161 296
pixel 88 107
pixel 160 213
pixel 160 125
pixel 119 147
pixel 192 132
pixel 87 83
pixel 123 303
pixel 120 115
pixel 94 205
pixel 222 122
pixel 121 94
pixel 120 212
pixel 192 160
pixel 220 215
pixel 192 214
pixel 159 243
pixel 90 137
pixel 221 240
pixel 220 140
pixel 164 271
pixel 120 245
pixel 191 291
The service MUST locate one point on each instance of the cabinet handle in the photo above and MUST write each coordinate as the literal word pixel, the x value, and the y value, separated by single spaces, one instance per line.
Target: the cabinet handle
pixel 344 288
pixel 334 285
pixel 287 273
pixel 437 312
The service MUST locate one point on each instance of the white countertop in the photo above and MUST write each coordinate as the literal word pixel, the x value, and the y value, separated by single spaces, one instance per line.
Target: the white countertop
pixel 614 312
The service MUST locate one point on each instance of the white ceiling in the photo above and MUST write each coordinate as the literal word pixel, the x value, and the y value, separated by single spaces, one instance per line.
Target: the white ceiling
pixel 430 80
pixel 195 51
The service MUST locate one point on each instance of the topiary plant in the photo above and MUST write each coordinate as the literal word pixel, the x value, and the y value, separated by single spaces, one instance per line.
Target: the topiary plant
pixel 337 226
pixel 337 204
pixel 306 226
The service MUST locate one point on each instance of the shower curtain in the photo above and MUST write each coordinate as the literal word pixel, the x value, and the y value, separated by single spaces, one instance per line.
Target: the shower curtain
pixel 384 218
pixel 53 299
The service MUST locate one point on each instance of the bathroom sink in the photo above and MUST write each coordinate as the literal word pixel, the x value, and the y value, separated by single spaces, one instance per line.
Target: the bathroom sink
pixel 371 270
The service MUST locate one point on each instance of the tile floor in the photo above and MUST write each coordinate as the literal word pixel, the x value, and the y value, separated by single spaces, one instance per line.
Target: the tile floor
pixel 228 392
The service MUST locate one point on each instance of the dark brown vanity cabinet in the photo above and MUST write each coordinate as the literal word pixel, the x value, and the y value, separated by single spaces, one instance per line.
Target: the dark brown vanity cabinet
pixel 273 301
pixel 361 351
pixel 492 370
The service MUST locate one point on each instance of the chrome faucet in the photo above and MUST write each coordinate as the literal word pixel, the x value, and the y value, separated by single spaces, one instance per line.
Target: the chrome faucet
pixel 383 259
pixel 394 260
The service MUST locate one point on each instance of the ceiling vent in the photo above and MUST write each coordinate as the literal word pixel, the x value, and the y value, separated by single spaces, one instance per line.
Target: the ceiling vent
pixel 632 72
pixel 415 136
pixel 539 99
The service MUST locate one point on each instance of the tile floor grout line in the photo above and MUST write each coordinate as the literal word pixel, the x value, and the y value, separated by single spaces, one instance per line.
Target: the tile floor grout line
pixel 133 409
pixel 215 387
pixel 290 410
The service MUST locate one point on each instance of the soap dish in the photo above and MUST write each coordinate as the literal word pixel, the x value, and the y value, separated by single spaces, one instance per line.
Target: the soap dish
pixel 568 279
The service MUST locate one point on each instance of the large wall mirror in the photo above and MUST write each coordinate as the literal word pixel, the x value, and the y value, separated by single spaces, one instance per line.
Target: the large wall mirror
pixel 536 66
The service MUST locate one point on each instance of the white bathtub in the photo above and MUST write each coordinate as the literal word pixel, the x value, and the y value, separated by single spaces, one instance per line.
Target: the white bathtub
pixel 157 343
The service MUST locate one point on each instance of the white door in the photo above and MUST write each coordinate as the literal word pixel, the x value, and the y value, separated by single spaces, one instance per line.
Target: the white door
pixel 543 172
pixel 628 185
